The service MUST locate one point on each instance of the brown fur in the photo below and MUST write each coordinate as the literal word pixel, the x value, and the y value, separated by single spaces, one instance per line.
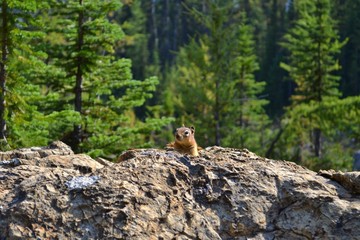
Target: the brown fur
pixel 185 141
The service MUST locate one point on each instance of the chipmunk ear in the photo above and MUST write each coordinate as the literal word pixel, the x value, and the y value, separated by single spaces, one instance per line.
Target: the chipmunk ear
pixel 192 129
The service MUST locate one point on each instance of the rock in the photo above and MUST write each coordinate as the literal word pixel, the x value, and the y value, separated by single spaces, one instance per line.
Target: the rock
pixel 55 148
pixel 156 194
pixel 350 180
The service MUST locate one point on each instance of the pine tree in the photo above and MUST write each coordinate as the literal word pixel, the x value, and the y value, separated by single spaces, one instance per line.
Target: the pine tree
pixel 97 85
pixel 246 109
pixel 216 20
pixel 214 86
pixel 313 43
pixel 135 43
pixel 190 91
pixel 22 124
pixel 278 15
pixel 5 32
pixel 349 26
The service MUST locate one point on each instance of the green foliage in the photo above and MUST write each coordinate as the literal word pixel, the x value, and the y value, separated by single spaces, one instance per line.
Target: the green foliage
pixel 313 43
pixel 347 15
pixel 54 44
pixel 38 129
pixel 135 43
pixel 339 122
pixel 190 88
pixel 65 74
pixel 21 32
pixel 213 80
pixel 105 91
pixel 246 119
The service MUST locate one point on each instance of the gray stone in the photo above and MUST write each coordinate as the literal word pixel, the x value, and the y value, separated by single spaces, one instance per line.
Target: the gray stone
pixel 154 194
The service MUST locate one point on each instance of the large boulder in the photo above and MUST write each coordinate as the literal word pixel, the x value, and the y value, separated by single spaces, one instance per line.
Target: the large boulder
pixel 52 193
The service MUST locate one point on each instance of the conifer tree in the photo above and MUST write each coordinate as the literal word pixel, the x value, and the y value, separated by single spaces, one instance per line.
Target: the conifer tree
pixel 313 43
pixel 22 124
pixel 97 85
pixel 214 84
pixel 246 109
pixel 347 13
pixel 216 20
pixel 189 89
pixel 134 45
pixel 5 32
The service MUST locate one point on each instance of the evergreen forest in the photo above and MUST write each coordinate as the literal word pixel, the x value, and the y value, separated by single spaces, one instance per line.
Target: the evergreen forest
pixel 278 77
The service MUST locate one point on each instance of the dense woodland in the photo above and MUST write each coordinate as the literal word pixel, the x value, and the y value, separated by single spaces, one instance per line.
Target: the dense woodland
pixel 279 77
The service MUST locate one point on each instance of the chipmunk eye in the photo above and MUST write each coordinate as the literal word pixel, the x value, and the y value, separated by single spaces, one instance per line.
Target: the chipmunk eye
pixel 187 133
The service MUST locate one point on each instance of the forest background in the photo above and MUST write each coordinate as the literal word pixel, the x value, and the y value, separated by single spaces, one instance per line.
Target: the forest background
pixel 279 77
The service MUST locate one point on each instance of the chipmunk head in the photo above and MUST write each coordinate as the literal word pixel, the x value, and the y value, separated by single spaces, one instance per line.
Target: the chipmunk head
pixel 184 133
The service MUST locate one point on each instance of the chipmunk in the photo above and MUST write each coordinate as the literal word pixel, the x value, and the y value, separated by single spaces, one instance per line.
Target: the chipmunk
pixel 185 141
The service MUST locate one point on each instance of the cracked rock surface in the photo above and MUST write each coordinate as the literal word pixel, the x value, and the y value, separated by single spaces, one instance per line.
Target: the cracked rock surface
pixel 52 193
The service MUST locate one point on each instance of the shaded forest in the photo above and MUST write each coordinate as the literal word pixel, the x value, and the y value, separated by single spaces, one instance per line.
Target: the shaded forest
pixel 279 77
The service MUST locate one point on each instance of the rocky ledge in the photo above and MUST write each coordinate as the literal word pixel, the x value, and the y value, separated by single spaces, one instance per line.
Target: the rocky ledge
pixel 52 193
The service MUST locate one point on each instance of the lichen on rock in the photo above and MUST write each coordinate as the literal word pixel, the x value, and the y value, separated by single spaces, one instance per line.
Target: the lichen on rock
pixel 81 182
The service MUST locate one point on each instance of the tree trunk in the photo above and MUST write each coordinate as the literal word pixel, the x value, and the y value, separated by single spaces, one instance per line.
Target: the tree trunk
pixel 177 21
pixel 167 41
pixel 317 142
pixel 154 22
pixel 79 80
pixel 269 152
pixel 217 114
pixel 318 98
pixel 3 73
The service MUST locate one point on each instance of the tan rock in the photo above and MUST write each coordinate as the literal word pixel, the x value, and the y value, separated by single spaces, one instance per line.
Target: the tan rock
pixel 52 193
